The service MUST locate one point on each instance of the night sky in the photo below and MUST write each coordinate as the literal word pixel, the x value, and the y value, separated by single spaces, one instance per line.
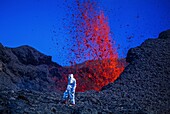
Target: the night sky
pixel 44 24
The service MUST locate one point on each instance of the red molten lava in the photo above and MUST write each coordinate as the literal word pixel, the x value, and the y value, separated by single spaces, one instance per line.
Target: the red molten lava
pixel 93 44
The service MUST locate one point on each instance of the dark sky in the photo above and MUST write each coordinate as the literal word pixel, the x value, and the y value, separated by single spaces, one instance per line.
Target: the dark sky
pixel 43 24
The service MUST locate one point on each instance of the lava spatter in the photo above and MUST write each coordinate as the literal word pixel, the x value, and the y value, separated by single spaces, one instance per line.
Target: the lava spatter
pixel 94 60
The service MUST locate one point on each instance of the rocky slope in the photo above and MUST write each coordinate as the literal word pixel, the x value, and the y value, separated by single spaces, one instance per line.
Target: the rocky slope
pixel 144 84
pixel 26 68
pixel 143 87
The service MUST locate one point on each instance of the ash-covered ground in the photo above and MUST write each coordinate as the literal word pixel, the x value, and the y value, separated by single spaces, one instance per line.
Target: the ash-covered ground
pixel 28 83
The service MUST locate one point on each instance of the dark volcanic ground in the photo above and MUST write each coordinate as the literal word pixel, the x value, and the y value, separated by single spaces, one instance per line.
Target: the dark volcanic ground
pixel 26 84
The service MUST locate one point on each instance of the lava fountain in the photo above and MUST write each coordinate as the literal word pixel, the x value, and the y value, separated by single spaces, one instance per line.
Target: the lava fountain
pixel 93 48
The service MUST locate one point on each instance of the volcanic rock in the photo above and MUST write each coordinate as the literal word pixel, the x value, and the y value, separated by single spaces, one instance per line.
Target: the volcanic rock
pixel 25 68
pixel 143 87
pixel 144 84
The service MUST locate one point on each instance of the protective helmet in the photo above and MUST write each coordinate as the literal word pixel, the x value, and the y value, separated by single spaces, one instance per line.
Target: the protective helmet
pixel 70 76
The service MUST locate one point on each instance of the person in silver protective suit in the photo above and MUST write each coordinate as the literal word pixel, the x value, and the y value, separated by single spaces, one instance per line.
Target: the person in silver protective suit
pixel 70 91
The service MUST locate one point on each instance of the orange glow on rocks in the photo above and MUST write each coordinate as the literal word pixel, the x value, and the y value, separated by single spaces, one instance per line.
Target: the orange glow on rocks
pixel 93 44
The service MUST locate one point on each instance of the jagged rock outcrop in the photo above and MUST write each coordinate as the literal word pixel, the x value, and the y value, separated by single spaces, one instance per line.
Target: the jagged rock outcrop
pixel 25 68
pixel 145 81
pixel 143 87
